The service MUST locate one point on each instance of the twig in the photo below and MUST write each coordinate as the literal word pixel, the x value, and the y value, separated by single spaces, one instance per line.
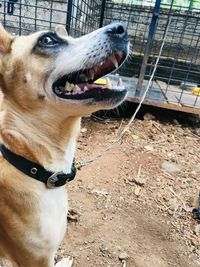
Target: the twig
pixel 123 263
pixel 175 194
pixel 139 171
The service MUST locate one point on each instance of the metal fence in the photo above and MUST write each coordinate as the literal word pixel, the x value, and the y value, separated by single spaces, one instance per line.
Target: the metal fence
pixel 177 79
pixel 25 16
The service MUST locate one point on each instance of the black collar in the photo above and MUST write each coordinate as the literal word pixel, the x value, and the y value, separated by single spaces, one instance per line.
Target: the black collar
pixel 36 171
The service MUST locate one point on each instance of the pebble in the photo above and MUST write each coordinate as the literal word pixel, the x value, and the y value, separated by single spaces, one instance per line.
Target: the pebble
pixel 99 192
pixel 123 255
pixel 149 117
pixel 83 130
pixel 141 181
pixel 171 167
pixel 149 148
pixel 197 229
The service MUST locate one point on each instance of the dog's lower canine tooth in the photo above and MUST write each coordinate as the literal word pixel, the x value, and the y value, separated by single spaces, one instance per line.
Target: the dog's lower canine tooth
pixel 109 84
pixel 77 89
pixel 85 88
pixel 91 73
pixel 119 83
pixel 114 61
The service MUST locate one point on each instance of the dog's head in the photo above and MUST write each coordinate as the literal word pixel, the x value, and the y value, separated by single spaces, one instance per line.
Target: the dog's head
pixel 51 68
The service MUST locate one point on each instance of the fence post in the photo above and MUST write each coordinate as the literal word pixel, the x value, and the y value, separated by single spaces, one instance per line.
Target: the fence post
pixel 103 4
pixel 69 15
pixel 152 29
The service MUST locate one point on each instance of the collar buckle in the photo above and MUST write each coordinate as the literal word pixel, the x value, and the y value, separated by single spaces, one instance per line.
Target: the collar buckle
pixel 51 181
pixel 36 171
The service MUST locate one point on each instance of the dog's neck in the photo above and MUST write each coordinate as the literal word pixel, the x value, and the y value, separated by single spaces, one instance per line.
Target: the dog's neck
pixel 47 140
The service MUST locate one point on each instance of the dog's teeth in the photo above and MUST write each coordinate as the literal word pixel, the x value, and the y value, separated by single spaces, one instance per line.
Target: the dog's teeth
pixel 91 74
pixel 109 84
pixel 85 88
pixel 77 89
pixel 101 63
pixel 69 87
pixel 120 83
pixel 114 61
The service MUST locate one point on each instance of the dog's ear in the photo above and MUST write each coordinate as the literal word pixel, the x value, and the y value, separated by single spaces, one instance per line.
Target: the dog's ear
pixel 5 41
pixel 60 29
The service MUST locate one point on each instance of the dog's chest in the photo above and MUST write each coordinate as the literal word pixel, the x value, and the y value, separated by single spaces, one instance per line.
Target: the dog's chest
pixel 52 220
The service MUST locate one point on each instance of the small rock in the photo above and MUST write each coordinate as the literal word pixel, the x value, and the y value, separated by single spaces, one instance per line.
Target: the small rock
pixel 149 148
pixel 197 131
pixel 141 180
pixel 175 122
pixel 197 229
pixel 196 168
pixel 171 167
pixel 149 117
pixel 135 136
pixel 137 191
pixel 123 255
pixel 73 216
pixel 105 251
pixel 99 192
pixel 83 130
pixel 188 208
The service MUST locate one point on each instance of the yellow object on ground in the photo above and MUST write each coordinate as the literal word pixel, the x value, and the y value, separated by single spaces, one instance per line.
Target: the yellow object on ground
pixel 101 81
pixel 196 91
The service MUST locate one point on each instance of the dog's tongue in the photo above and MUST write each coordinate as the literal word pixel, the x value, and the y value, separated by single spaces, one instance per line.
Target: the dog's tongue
pixel 91 85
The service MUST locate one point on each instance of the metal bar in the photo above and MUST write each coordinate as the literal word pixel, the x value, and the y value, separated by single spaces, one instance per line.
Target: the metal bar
pixel 20 18
pixel 103 4
pixel 69 15
pixel 152 30
pixel 35 20
pixel 4 15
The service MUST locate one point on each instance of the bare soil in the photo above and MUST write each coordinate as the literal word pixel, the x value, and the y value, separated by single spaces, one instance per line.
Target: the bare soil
pixel 137 198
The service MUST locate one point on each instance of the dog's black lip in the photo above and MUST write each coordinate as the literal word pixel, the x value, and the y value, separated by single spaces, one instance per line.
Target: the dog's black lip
pixel 97 94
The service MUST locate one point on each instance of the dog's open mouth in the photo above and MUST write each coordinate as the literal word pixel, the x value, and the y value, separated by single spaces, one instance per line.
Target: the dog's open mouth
pixel 82 84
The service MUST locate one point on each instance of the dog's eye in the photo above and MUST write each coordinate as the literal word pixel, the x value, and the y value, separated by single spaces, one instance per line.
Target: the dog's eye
pixel 47 41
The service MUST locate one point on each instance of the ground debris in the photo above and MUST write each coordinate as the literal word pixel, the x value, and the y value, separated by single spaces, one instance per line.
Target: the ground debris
pixel 152 221
pixel 197 229
pixel 171 167
pixel 141 180
pixel 73 215
pixel 123 255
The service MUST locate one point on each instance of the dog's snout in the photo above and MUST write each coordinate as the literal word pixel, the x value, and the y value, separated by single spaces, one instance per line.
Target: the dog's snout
pixel 117 30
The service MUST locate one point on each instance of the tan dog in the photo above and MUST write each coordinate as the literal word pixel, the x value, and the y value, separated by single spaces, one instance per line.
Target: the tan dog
pixel 47 83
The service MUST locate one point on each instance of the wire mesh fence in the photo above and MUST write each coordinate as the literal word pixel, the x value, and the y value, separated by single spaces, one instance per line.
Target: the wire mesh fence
pixel 177 78
pixel 29 16
pixel 25 16
pixel 85 16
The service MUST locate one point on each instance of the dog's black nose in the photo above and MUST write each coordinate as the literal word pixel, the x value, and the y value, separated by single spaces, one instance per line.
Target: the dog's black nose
pixel 117 30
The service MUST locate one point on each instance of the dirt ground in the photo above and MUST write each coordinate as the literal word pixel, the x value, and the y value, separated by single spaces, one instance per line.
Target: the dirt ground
pixel 136 201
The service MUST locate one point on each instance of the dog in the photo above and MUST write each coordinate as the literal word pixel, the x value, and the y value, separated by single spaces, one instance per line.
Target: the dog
pixel 47 85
